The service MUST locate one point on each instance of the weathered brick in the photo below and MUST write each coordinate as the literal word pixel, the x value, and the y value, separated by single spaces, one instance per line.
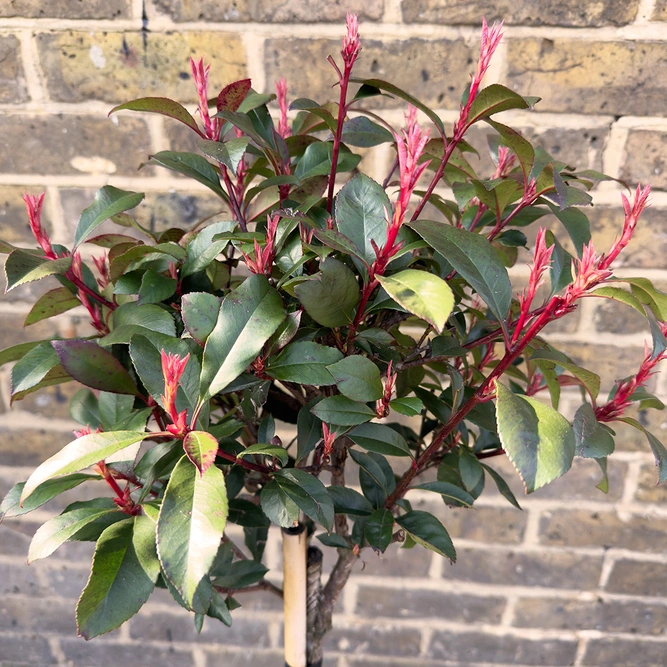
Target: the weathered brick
pixel 66 581
pixel 638 578
pixel 602 615
pixel 614 317
pixel 158 211
pixel 375 601
pixel 66 9
pixel 590 77
pixel 516 568
pixel 12 79
pixel 436 72
pixel 52 402
pixel 477 647
pixel 19 650
pixel 660 11
pixel 29 447
pixel 37 616
pixel 110 654
pixel 645 158
pixel 622 652
pixel 116 67
pixel 19 579
pixel 253 658
pixel 504 525
pixel 15 537
pixel 69 144
pixel 270 11
pixel 14 227
pixel 395 562
pixel 631 439
pixel 648 489
pixel 582 528
pixel 381 639
pixel 561 13
pixel 178 625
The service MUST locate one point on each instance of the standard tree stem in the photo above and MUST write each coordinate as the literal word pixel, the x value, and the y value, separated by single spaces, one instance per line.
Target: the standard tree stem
pixel 294 595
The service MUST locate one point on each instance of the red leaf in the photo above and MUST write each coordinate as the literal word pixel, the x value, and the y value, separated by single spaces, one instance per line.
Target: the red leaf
pixel 231 96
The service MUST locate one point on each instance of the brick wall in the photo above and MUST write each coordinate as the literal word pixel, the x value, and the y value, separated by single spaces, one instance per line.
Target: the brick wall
pixel 578 577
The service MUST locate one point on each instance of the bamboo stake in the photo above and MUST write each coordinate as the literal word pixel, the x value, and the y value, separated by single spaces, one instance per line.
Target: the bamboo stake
pixel 294 588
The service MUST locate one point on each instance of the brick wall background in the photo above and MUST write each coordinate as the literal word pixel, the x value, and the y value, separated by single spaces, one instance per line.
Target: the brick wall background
pixel 578 577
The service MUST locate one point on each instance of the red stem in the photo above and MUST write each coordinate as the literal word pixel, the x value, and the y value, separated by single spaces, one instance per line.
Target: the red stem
pixel 342 110
pixel 244 464
pixel 91 293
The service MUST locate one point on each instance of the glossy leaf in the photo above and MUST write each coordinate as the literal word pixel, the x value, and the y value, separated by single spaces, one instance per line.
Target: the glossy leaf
pixel 537 439
pixel 410 406
pixel 241 573
pixel 93 366
pixel 502 485
pixel 474 258
pixel 201 448
pixel 263 449
pixel 304 362
pixel 109 201
pixel 54 302
pixel 357 378
pixel 342 411
pixel 231 97
pixel 189 529
pixel 362 207
pixel 123 575
pixel 79 454
pixel 426 530
pixel 248 316
pixel 379 438
pixel 494 99
pixel 22 267
pixel 349 501
pixel 363 132
pixel 202 250
pixel 423 294
pixel 331 298
pixel 200 313
pixel 62 528
pixel 162 106
pixel 230 153
pixel 29 371
pixel 378 529
pixel 450 492
pixel 589 379
pixel 148 316
pixel 307 493
pixel 192 165
pixel 593 440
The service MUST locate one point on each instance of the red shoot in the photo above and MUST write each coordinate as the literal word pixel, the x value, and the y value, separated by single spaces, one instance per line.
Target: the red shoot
pixel 283 126
pixel 33 205
pixel 173 367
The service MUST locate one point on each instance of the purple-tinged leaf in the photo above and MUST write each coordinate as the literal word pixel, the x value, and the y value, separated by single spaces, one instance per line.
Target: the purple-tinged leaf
pixel 163 106
pixel 24 267
pixel 232 95
pixel 54 302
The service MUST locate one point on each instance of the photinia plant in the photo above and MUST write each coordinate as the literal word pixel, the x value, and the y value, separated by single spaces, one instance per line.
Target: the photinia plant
pixel 393 343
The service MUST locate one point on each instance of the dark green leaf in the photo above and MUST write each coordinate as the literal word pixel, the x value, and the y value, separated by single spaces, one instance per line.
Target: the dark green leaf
pixel 593 440
pixel 470 468
pixel 410 407
pixel 155 287
pixel 503 486
pixel 108 201
pixel 192 165
pixel 357 378
pixel 23 267
pixel 262 449
pixel 162 106
pixel 304 362
pixel 308 493
pixel 349 501
pixel 364 133
pixel 342 411
pixel 230 153
pixel 333 540
pixel 29 371
pixel 242 573
pixel 378 529
pixel 54 302
pixel 494 99
pixel 426 530
pixel 450 493
pixel 200 313
pixel 125 569
pixel 203 249
pixel 379 438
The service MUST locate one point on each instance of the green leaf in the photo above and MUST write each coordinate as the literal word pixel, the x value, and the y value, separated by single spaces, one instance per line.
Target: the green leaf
pixel 593 440
pixel 426 530
pixel 266 450
pixel 494 99
pixel 155 287
pixel 304 104
pixel 357 378
pixel 378 529
pixel 230 153
pixel 54 302
pixel 307 493
pixel 149 316
pixel 364 133
pixel 108 201
pixel 379 438
pixel 248 316
pixel 125 569
pixel 394 90
pixel 242 573
pixel 201 448
pixel 449 492
pixel 410 407
pixel 503 486
pixel 338 241
pixel 470 468
pixel 330 299
pixel 522 148
pixel 349 501
pixel 218 608
pixel 474 258
pixel 16 352
pixel 62 528
pixel 23 267
pixel 621 295
pixel 93 366
pixel 80 454
pixel 304 362
pixel 333 540
pixel 537 439
pixel 656 300
pixel 29 371
pixel 199 311
pixel 203 249
pixel 341 411
pixel 192 165
pixel 114 408
pixel 189 529
pixel 589 379
pixel 162 106
pixel 11 504
pixel 278 505
pixel 376 477
pixel 309 430
pixel 423 294
pixel 362 207
pixel 316 160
